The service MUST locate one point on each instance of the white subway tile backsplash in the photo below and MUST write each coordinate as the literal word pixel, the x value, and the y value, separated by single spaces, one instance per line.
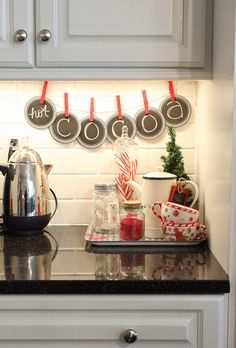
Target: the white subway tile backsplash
pixel 77 169
pixel 73 212
pixel 76 186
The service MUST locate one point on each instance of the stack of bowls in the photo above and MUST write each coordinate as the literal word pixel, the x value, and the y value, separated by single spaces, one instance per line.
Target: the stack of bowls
pixel 179 222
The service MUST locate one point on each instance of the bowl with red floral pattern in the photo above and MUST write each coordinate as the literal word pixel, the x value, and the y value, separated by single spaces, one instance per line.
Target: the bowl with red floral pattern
pixel 184 231
pixel 173 212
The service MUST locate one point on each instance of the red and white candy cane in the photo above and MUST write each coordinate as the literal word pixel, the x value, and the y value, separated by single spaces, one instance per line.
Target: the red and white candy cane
pixel 128 170
pixel 154 210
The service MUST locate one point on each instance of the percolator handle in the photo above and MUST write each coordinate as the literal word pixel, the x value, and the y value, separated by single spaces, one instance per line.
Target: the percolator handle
pixel 4 168
pixel 56 203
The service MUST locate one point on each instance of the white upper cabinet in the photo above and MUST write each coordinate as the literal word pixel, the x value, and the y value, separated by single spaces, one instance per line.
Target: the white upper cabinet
pixel 124 33
pixel 128 39
pixel 16 33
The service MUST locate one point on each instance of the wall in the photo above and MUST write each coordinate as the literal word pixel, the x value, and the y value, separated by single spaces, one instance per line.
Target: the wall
pixel 76 169
pixel 215 126
pixel 216 149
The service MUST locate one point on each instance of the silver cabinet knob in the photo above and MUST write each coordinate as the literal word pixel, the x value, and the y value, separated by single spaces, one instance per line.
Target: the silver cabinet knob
pixel 130 336
pixel 20 35
pixel 45 35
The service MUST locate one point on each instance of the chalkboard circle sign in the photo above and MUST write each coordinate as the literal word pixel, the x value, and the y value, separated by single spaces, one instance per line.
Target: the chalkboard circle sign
pixel 177 112
pixel 151 125
pixel 114 127
pixel 65 129
pixel 93 133
pixel 40 115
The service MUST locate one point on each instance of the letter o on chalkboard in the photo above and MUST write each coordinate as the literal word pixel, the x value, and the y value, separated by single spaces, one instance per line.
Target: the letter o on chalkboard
pixel 65 129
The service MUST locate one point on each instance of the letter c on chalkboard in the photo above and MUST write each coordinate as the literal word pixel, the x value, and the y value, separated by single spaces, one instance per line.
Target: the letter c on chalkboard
pixel 58 127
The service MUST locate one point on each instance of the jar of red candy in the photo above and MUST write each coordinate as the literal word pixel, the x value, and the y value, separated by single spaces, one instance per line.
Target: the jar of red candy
pixel 132 221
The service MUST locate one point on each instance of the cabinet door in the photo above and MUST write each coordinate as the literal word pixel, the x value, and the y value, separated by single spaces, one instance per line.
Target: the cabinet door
pixel 16 15
pixel 124 33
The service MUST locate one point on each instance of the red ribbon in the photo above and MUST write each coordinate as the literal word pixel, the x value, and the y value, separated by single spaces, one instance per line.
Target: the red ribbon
pixel 119 107
pixel 172 92
pixel 145 101
pixel 91 116
pixel 66 105
pixel 44 90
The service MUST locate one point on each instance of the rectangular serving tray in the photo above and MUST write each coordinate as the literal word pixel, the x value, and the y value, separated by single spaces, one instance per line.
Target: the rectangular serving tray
pixel 136 243
pixel 143 243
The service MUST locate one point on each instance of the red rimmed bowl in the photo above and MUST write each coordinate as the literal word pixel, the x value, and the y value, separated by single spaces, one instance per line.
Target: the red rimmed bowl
pixel 168 211
pixel 185 231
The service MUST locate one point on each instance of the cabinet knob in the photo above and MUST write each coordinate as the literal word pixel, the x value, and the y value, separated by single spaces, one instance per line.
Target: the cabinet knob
pixel 130 336
pixel 45 35
pixel 20 35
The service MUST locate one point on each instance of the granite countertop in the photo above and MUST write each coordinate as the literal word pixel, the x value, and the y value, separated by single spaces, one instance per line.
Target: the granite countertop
pixel 62 263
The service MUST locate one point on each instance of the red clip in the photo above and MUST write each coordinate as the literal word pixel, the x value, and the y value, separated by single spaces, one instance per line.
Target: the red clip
pixel 172 92
pixel 66 105
pixel 91 116
pixel 44 90
pixel 119 107
pixel 145 101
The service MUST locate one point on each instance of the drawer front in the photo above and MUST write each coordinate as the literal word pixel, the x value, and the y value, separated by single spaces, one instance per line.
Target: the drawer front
pixel 89 321
pixel 103 328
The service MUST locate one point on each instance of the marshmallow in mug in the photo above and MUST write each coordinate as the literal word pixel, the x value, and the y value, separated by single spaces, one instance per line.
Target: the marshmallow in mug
pixel 175 212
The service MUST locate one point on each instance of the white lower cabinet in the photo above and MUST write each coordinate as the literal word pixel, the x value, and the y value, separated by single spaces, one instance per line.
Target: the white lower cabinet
pixel 100 321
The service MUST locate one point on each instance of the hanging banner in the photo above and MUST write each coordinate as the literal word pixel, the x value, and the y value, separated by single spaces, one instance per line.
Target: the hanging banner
pixel 91 132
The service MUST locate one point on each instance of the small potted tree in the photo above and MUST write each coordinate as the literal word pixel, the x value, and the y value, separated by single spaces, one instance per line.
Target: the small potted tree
pixel 173 162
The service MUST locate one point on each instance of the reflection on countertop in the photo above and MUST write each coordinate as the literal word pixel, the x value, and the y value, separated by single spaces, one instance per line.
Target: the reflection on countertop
pixel 61 262
pixel 28 257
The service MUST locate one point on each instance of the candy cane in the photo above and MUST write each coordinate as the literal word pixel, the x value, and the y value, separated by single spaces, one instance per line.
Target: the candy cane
pixel 128 169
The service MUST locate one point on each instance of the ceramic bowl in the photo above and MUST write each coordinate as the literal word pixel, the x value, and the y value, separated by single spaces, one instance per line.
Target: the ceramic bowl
pixel 168 211
pixel 188 231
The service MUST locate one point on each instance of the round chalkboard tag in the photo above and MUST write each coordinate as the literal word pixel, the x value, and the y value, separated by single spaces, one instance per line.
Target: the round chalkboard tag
pixel 177 112
pixel 40 115
pixel 114 127
pixel 151 125
pixel 93 133
pixel 65 129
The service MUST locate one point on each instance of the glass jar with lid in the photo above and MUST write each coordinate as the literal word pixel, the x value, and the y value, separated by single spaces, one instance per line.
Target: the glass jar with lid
pixel 132 221
pixel 125 164
pixel 106 209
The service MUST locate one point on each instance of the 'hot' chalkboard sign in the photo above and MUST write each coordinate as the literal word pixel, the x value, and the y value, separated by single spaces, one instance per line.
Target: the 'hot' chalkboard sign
pixel 40 115
pixel 151 125
pixel 93 133
pixel 65 129
pixel 176 112
pixel 114 127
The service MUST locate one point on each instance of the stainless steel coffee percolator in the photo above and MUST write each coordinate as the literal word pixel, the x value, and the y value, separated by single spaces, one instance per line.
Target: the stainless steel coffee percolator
pixel 26 203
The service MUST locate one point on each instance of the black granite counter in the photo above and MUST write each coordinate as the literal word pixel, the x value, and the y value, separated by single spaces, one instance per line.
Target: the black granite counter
pixel 61 263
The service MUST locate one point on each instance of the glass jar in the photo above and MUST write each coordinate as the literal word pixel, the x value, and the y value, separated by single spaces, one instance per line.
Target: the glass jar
pixel 132 265
pixel 125 164
pixel 106 209
pixel 132 221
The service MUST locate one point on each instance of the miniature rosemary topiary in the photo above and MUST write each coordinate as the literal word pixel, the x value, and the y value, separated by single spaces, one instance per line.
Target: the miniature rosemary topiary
pixel 173 162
